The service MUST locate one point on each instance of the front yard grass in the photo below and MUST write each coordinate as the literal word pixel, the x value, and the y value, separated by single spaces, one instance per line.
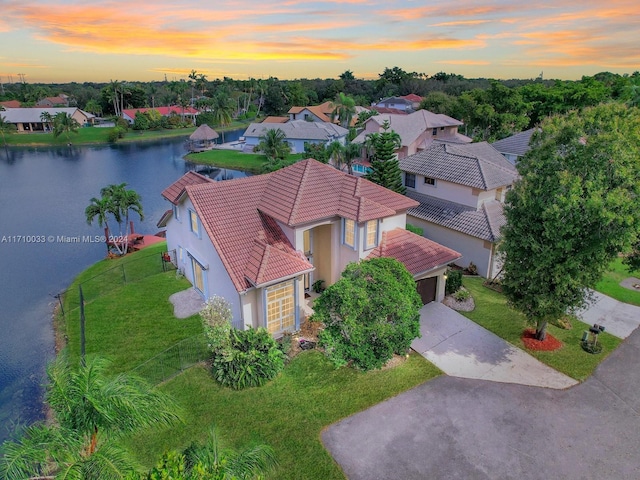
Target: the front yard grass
pixel 132 323
pixel 251 162
pixel 610 283
pixel 492 313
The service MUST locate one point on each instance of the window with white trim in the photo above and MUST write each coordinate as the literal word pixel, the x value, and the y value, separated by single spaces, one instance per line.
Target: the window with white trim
pixel 176 212
pixel 198 276
pixel 409 180
pixel 430 181
pixel 371 234
pixel 194 223
pixel 349 232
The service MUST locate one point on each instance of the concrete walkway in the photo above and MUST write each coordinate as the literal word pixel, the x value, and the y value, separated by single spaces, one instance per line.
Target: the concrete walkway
pixel 186 303
pixel 462 348
pixel 619 319
pixel 456 428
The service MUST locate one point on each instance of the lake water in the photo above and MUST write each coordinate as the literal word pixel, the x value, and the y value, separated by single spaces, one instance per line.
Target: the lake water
pixel 43 193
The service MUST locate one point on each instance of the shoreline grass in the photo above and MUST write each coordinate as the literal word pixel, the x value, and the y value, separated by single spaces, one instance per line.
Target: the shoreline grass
pixel 492 313
pixel 250 162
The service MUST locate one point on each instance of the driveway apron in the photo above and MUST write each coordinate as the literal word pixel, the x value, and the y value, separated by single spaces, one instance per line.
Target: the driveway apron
pixel 462 348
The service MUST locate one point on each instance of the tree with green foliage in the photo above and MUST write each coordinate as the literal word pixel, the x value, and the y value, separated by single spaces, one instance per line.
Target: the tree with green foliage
pixel 385 168
pixel 369 314
pixel 344 109
pixel 573 211
pixel 223 110
pixel 5 127
pixel 64 123
pixel 274 145
pixel 317 151
pixel 93 410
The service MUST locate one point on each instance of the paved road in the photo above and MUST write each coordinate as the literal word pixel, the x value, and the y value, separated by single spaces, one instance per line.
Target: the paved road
pixel 462 348
pixel 455 428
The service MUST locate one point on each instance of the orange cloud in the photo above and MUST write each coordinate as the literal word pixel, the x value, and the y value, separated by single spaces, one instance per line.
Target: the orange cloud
pixel 464 62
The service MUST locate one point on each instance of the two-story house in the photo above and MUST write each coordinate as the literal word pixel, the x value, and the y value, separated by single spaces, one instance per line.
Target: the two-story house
pixel 261 241
pixel 460 190
pixel 312 113
pixel 417 130
pixel 406 103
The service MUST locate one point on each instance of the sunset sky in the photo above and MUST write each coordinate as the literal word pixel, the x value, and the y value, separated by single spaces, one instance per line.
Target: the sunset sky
pixel 99 40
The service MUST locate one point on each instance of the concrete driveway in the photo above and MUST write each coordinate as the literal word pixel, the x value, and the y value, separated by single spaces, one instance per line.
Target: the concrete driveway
pixel 462 348
pixel 619 319
pixel 456 428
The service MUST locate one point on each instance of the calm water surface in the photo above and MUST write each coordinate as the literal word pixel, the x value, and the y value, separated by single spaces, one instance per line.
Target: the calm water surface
pixel 43 192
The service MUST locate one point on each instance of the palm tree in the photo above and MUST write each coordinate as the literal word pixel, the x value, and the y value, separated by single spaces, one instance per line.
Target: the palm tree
pixel 120 202
pixel 101 208
pixel 64 123
pixel 336 152
pixel 5 127
pixel 92 106
pixel 344 109
pixel 46 118
pixel 223 109
pixel 92 411
pixel 274 145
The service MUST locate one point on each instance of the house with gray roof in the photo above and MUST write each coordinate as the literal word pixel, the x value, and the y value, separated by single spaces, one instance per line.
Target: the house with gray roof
pixel 33 119
pixel 417 130
pixel 515 146
pixel 460 189
pixel 297 133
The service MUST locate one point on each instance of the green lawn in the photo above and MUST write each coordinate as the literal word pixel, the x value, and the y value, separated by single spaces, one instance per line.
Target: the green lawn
pixel 132 323
pixel 289 413
pixel 492 313
pixel 610 283
pixel 91 136
pixel 250 162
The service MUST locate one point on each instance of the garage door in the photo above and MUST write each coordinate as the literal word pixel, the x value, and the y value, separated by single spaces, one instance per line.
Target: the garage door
pixel 427 289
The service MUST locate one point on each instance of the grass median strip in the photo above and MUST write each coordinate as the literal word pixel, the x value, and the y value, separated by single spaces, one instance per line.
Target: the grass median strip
pixel 492 313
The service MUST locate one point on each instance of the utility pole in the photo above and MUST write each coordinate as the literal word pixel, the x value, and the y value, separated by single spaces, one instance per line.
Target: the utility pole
pixel 1 87
pixel 22 75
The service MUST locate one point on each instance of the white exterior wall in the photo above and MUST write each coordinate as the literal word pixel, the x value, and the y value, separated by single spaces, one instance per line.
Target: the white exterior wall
pixel 452 192
pixel 217 280
pixel 472 249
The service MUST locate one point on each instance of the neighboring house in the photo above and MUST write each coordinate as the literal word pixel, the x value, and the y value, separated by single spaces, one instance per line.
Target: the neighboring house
pixel 129 114
pixel 406 103
pixel 260 242
pixel 461 190
pixel 388 110
pixel 314 113
pixel 297 133
pixel 61 100
pixel 515 146
pixel 10 104
pixel 275 119
pixel 31 119
pixel 417 130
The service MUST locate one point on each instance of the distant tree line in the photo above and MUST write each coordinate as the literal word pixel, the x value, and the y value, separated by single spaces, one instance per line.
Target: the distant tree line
pixel 490 109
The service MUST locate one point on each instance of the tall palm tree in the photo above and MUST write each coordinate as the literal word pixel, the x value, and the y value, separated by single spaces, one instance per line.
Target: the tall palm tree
pixel 100 208
pixel 120 202
pixel 64 123
pixel 5 127
pixel 223 109
pixel 344 109
pixel 92 411
pixel 274 145
pixel 46 118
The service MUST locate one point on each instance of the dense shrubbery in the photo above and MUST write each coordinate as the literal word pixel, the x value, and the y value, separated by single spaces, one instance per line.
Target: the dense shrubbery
pixel 454 281
pixel 369 314
pixel 251 359
pixel 241 358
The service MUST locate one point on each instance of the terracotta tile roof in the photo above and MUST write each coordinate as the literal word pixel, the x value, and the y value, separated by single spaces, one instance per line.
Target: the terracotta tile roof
pixel 275 119
pixel 251 246
pixel 322 111
pixel 395 111
pixel 174 191
pixel 412 97
pixel 10 104
pixel 418 254
pixel 310 191
pixel 164 219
